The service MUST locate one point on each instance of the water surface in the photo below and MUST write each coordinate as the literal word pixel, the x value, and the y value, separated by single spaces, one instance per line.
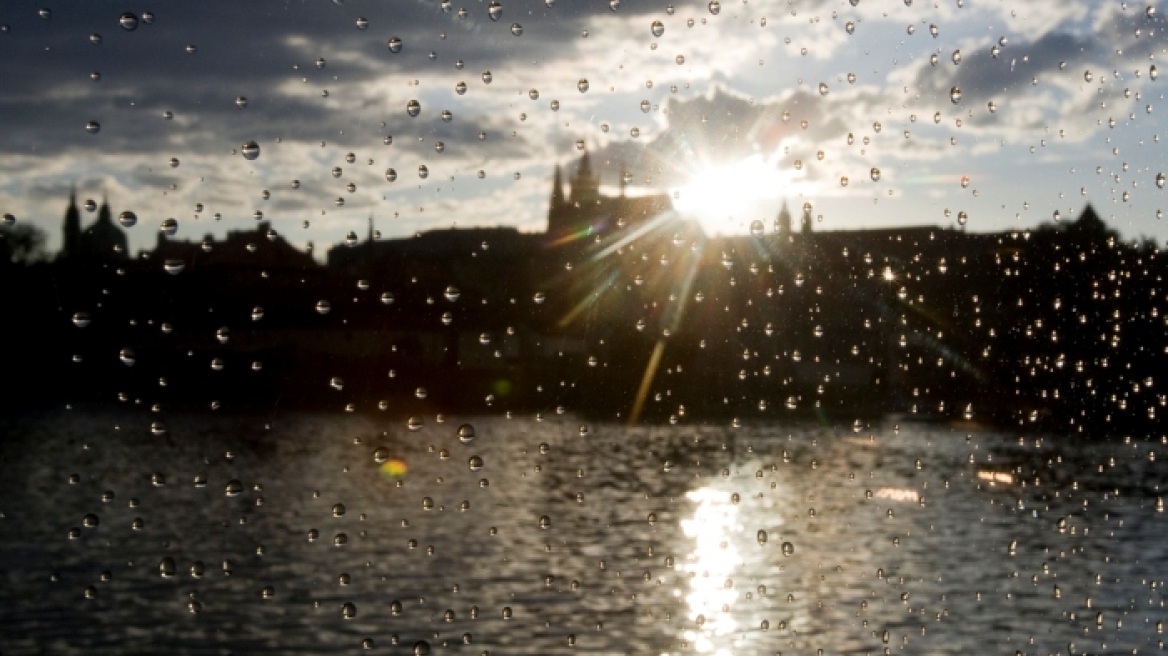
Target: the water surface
pixel 573 537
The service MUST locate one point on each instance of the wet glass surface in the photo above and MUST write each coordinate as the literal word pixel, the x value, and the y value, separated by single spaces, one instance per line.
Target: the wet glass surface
pixel 606 327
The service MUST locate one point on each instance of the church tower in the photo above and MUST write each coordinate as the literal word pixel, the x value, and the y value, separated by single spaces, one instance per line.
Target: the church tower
pixel 103 240
pixel 783 222
pixel 558 205
pixel 558 200
pixel 585 184
pixel 71 231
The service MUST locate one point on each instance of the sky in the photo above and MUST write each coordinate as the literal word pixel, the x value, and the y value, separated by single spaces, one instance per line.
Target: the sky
pixel 872 114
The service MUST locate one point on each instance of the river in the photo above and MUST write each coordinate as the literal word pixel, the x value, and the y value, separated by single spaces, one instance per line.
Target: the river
pixel 328 534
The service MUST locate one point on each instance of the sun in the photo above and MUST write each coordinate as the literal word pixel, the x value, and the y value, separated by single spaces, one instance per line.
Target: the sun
pixel 725 198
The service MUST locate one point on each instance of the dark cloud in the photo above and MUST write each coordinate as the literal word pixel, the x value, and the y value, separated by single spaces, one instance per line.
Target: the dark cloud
pixel 262 51
pixel 1131 37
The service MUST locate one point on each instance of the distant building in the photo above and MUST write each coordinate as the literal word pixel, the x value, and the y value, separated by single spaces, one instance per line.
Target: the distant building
pixel 261 248
pixel 103 240
pixel 583 211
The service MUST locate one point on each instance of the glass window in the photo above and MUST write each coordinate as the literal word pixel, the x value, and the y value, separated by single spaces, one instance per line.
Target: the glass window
pixel 615 327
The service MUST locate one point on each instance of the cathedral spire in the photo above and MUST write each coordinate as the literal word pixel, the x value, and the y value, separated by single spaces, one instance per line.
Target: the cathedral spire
pixel 71 230
pixel 783 222
pixel 585 184
pixel 557 189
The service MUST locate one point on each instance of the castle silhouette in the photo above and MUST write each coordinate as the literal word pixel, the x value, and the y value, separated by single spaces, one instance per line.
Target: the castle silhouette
pixel 582 211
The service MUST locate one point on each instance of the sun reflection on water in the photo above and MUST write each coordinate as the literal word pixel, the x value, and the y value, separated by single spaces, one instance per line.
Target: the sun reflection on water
pixel 711 568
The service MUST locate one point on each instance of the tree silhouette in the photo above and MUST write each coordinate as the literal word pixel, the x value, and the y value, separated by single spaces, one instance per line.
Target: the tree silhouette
pixel 21 244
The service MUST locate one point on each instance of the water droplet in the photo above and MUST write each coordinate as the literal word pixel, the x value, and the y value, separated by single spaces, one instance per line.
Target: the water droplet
pixel 268 593
pixel 545 522
pixel 390 175
pixel 962 217
pixel 516 29
pixel 128 21
pixel 495 11
pixel 657 28
pixel 323 307
pixel 788 548
pixel 126 355
pixel 823 91
pixel 875 173
pixel 166 567
pixel 475 463
pixel 466 433
pixel 128 219
pixel 487 77
pixel 394 44
pixel 1160 180
pixel 582 85
pixel 250 150
pixel 451 293
pixel 1087 76
pixel 173 266
pixel 414 424
pixel 93 127
pixel 413 108
pixel 715 7
pixel 423 171
pixel 1152 72
pixel 762 536
pixel 421 648
pixel 955 95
